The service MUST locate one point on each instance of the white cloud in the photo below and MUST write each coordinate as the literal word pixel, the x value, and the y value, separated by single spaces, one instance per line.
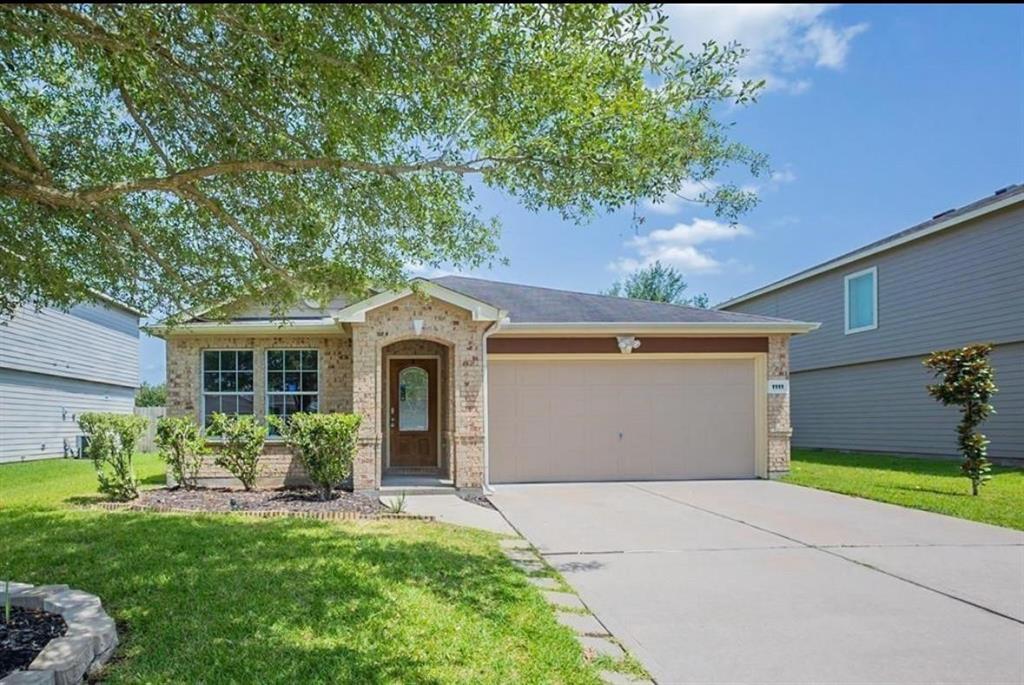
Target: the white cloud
pixel 677 246
pixel 782 40
pixel 783 176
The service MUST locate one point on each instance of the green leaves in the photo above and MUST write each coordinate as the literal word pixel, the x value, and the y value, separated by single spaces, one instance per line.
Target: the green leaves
pixel 967 379
pixel 182 446
pixel 241 447
pixel 344 140
pixel 324 443
pixel 658 283
pixel 111 446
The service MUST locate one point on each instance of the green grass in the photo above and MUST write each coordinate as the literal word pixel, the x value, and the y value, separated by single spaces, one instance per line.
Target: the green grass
pixel 220 598
pixel 929 484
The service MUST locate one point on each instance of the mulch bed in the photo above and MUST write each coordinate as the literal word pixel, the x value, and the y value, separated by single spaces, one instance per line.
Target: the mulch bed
pixel 24 637
pixel 257 500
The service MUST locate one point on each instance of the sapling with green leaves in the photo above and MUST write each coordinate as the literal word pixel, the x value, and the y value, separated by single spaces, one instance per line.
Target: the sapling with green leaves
pixel 325 444
pixel 182 446
pixel 966 379
pixel 111 446
pixel 241 446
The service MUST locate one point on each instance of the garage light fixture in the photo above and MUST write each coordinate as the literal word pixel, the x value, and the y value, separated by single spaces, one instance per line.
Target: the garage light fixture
pixel 627 343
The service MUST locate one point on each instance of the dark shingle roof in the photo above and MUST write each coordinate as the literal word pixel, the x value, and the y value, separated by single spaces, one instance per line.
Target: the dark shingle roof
pixel 532 304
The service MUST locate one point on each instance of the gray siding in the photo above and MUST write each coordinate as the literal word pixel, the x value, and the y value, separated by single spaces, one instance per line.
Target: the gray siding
pixel 883 407
pixel 962 285
pixel 94 342
pixel 865 391
pixel 39 413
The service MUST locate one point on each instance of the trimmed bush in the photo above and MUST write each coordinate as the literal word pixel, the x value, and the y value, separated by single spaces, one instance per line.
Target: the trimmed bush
pixel 111 445
pixel 182 447
pixel 243 444
pixel 324 443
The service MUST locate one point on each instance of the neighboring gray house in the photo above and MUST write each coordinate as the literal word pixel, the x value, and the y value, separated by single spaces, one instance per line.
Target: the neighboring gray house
pixel 857 382
pixel 54 365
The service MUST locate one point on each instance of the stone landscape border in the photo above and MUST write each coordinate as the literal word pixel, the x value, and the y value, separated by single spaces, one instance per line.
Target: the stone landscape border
pixel 571 612
pixel 88 644
pixel 260 513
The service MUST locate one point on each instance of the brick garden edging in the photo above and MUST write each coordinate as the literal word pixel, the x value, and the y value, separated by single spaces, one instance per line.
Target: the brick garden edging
pixel 261 513
pixel 88 644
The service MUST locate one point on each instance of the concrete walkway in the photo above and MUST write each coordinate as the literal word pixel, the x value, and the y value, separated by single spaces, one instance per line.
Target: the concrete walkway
pixel 455 510
pixel 762 582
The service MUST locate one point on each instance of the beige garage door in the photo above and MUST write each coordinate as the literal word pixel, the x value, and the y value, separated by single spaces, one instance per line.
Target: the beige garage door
pixel 623 419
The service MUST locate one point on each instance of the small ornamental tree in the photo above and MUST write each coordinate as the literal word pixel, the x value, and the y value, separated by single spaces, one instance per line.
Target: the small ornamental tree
pixel 111 444
pixel 182 447
pixel 324 443
pixel 243 444
pixel 967 379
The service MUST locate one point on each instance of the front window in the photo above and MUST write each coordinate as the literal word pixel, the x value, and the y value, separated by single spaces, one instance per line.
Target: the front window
pixel 227 382
pixel 862 300
pixel 293 382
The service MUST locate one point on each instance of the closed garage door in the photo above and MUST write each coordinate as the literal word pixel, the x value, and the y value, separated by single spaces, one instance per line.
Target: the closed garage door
pixel 622 419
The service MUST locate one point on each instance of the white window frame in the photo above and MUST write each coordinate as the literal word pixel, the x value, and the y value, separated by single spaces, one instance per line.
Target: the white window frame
pixel 873 270
pixel 202 381
pixel 267 392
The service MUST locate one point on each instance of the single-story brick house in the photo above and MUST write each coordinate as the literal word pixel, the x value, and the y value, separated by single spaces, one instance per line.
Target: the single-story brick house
pixel 470 382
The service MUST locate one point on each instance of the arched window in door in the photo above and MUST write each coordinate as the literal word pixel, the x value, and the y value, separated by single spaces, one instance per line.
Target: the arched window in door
pixel 413 399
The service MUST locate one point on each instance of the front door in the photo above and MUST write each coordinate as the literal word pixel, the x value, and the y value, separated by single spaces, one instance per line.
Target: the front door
pixel 412 413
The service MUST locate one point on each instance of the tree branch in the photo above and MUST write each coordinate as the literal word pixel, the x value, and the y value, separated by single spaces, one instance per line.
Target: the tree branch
pixel 21 134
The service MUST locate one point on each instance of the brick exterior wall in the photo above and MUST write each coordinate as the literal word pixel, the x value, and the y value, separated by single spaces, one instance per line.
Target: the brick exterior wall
pixel 184 386
pixel 449 326
pixel 779 429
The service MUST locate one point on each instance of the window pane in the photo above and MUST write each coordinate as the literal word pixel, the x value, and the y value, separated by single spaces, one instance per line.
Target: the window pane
pixel 276 405
pixel 211 404
pixel 245 381
pixel 228 361
pixel 229 404
pixel 292 404
pixel 310 404
pixel 309 381
pixel 275 381
pixel 861 303
pixel 228 381
pixel 291 381
pixel 211 381
pixel 275 360
pixel 245 361
pixel 292 360
pixel 309 360
pixel 211 360
pixel 413 402
pixel 245 404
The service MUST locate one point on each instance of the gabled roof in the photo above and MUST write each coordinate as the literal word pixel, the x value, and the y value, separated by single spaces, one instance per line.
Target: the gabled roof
pixel 481 310
pixel 1002 198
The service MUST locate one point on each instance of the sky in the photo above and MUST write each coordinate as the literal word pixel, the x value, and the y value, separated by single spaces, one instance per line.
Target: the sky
pixel 874 118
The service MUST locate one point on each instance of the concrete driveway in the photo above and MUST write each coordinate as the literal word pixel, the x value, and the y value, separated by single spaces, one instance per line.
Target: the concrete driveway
pixel 762 582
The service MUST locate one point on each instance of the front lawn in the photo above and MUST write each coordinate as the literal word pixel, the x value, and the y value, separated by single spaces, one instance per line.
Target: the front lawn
pixel 929 484
pixel 220 598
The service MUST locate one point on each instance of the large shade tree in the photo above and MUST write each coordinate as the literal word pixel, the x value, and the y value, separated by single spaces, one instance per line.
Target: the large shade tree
pixel 175 156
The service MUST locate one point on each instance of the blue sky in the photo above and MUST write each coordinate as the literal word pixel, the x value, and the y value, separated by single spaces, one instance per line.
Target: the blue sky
pixel 875 118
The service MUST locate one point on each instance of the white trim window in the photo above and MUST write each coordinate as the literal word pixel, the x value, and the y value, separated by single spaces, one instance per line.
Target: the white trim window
pixel 227 382
pixel 860 296
pixel 293 382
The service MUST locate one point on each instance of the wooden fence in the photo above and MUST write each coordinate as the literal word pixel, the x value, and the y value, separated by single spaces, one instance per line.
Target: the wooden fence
pixel 147 443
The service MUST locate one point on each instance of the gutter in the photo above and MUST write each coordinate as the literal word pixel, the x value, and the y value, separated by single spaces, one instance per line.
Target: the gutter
pixel 490 330
pixel 323 325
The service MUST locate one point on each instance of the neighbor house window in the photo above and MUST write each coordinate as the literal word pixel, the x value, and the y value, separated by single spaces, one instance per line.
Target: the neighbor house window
pixel 293 382
pixel 227 382
pixel 861 300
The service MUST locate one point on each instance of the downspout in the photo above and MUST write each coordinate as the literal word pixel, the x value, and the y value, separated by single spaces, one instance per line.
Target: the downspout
pixel 493 328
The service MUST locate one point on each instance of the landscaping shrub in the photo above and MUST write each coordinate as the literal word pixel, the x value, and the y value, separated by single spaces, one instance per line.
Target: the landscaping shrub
pixel 243 444
pixel 182 447
pixel 967 379
pixel 111 444
pixel 324 443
